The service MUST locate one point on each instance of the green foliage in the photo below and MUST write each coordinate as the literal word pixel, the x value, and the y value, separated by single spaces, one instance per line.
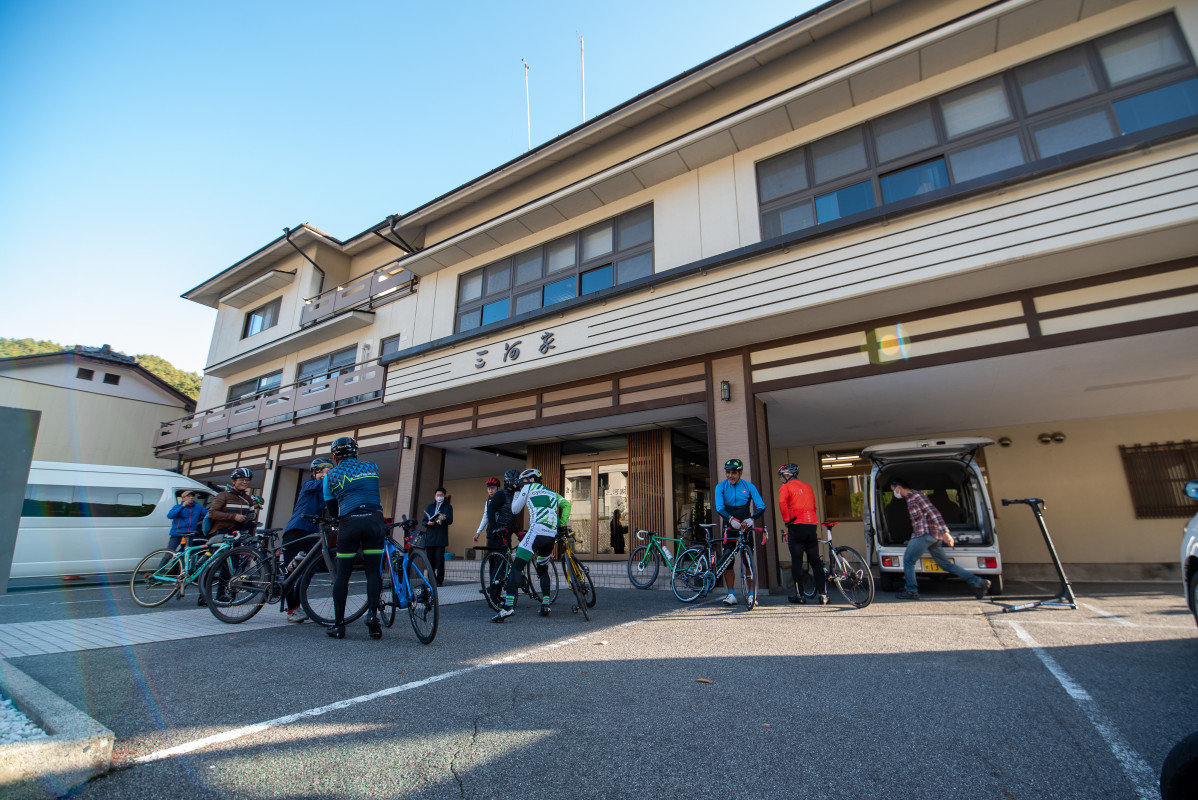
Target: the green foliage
pixel 186 382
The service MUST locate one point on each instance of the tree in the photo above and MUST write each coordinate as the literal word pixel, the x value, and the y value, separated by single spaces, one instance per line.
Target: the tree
pixel 186 382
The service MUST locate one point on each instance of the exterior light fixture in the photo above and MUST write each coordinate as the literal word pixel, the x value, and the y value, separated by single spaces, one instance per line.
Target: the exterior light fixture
pixel 1004 441
pixel 1058 437
pixel 269 464
pixel 1044 438
pixel 407 443
pixel 725 391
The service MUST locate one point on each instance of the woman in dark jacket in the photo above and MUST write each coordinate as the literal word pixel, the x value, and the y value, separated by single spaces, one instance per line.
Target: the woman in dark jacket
pixel 438 516
pixel 618 530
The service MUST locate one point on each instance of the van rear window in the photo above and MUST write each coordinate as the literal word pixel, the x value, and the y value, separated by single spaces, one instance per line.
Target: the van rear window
pixel 45 500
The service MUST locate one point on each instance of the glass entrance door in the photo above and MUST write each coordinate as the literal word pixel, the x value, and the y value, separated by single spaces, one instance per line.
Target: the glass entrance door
pixel 613 497
pixel 579 481
pixel 595 492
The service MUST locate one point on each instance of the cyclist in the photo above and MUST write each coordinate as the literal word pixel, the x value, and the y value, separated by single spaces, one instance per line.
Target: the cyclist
pixel 351 493
pixel 310 502
pixel 797 501
pixel 232 512
pixel 498 519
pixel 545 508
pixel 739 503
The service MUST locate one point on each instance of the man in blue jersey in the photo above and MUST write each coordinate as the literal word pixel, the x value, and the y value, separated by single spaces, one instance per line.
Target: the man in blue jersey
pixel 351 493
pixel 740 504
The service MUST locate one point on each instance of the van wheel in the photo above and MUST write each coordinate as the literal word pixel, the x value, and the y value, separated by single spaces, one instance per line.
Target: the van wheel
pixel 1179 773
pixel 1192 589
pixel 891 582
pixel 995 585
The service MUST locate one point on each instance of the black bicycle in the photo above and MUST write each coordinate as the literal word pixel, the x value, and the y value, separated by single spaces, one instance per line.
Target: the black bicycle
pixel 845 568
pixel 497 565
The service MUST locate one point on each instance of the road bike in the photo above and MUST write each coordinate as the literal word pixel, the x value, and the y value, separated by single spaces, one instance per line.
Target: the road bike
pixel 578 577
pixel 244 578
pixel 695 572
pixel 845 568
pixel 408 582
pixel 165 573
pixel 645 561
pixel 497 565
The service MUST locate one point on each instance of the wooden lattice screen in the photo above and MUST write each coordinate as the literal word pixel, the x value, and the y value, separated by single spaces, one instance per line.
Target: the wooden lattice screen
pixel 1157 475
pixel 548 459
pixel 646 483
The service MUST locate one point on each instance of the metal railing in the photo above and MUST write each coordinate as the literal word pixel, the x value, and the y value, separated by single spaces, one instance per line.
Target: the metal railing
pixel 357 383
pixel 380 286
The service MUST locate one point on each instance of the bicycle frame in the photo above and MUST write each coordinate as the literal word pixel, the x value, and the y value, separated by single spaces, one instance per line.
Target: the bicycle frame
pixel 654 543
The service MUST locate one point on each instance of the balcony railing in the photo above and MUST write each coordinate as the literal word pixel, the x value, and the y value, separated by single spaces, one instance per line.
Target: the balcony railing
pixel 364 292
pixel 349 386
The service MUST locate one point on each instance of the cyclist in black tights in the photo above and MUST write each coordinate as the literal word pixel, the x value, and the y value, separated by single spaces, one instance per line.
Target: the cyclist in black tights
pixel 351 490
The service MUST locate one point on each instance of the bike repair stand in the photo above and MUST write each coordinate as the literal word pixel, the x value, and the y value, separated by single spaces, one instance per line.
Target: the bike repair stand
pixel 1063 598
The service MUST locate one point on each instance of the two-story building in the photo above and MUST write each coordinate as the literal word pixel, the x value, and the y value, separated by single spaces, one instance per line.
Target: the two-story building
pixel 881 220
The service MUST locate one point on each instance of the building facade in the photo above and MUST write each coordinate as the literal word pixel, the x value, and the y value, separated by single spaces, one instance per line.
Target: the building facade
pixel 879 221
pixel 98 407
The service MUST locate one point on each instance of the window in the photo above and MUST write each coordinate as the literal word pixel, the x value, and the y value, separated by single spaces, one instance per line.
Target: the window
pixel 389 345
pixel 261 318
pixel 43 500
pixel 613 252
pixel 1124 83
pixel 85 374
pixel 844 476
pixel 1157 475
pixel 313 373
pixel 112 380
pixel 254 386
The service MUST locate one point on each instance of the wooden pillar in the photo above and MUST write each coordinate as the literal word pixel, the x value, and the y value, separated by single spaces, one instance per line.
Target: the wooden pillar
pixel 646 483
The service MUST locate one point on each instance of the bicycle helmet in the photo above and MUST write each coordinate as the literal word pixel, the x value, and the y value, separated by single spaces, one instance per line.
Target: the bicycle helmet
pixel 788 471
pixel 241 472
pixel 345 447
pixel 511 478
pixel 734 464
pixel 493 482
pixel 531 474
pixel 321 463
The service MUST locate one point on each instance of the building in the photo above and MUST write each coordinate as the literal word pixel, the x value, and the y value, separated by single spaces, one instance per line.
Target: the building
pixel 98 407
pixel 881 220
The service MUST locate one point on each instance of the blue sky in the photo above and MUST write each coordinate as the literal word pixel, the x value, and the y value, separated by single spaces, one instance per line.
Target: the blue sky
pixel 145 146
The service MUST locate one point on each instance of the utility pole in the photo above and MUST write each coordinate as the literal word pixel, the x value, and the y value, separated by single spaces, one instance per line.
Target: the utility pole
pixel 582 60
pixel 527 106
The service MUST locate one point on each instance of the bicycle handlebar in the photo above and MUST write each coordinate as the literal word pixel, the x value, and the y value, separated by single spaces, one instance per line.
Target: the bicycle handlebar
pixel 641 534
pixel 1029 501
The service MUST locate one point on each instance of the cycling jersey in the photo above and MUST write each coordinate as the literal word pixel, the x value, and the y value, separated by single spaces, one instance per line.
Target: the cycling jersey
pixel 354 485
pixel 732 500
pixel 543 507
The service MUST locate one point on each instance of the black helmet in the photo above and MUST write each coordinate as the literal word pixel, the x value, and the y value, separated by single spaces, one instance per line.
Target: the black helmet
pixel 345 447
pixel 511 477
pixel 787 471
pixel 531 474
pixel 241 472
pixel 321 463
pixel 734 464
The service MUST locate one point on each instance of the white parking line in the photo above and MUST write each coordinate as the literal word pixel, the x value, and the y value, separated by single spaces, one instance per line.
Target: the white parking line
pixel 1109 615
pixel 1142 778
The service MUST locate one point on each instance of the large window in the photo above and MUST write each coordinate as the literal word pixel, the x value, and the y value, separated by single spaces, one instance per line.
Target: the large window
pixel 261 318
pixel 1157 475
pixel 843 476
pixel 615 251
pixel 316 370
pixel 44 500
pixel 263 385
pixel 1123 83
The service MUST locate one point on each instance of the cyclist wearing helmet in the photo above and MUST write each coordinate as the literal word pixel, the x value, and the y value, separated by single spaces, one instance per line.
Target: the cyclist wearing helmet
pixel 546 509
pixel 498 520
pixel 797 501
pixel 739 503
pixel 351 493
pixel 234 509
pixel 310 501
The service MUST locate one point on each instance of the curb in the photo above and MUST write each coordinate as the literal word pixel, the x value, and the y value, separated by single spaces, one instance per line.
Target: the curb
pixel 77 748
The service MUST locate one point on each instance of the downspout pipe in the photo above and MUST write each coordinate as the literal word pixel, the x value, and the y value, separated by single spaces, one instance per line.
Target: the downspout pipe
pixel 287 236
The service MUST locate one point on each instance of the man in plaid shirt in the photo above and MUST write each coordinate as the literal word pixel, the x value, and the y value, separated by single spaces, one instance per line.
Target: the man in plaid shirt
pixel 929 535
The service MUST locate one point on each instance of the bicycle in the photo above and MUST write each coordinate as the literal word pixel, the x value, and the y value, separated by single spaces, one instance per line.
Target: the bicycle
pixel 693 576
pixel 243 579
pixel 844 567
pixel 495 568
pixel 645 561
pixel 408 582
pixel 578 577
pixel 152 586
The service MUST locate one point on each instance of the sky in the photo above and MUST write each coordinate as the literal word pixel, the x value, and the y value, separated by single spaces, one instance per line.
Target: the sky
pixel 147 146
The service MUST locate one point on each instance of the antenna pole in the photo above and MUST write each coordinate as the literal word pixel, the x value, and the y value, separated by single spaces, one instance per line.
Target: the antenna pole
pixel 582 55
pixel 527 106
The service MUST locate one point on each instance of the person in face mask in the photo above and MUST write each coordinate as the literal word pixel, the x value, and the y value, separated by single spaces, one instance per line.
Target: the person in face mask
pixel 438 516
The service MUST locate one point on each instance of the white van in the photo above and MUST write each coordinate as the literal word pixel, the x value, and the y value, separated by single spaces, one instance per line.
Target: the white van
pixel 88 519
pixel 946 471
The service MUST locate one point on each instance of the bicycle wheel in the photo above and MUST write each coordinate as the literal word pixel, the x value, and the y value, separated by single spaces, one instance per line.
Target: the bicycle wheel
pixel 532 582
pixel 748 572
pixel 423 608
pixel 156 578
pixel 688 578
pixel 852 577
pixel 574 578
pixel 643 565
pixel 492 574
pixel 806 585
pixel 236 584
pixel 316 594
pixel 388 601
pixel 588 586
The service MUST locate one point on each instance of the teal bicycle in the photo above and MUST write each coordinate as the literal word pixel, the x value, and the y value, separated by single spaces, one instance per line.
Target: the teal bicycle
pixel 165 573
pixel 408 582
pixel 645 561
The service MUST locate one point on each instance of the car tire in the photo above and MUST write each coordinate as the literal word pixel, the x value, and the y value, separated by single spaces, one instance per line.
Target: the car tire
pixel 1179 773
pixel 996 585
pixel 1192 594
pixel 890 582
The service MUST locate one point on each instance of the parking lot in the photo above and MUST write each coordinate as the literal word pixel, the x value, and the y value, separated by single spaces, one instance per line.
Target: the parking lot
pixel 945 697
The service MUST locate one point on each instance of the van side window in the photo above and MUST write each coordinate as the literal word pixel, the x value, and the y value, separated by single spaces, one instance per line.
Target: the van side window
pixel 45 500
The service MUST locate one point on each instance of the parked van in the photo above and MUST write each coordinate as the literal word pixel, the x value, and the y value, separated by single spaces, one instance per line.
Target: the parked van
pixel 946 471
pixel 87 519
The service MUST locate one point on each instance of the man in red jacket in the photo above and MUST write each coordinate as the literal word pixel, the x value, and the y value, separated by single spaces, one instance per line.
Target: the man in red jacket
pixel 802 524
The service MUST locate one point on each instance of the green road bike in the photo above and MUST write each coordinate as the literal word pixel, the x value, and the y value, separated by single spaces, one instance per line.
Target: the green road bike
pixel 645 561
pixel 165 573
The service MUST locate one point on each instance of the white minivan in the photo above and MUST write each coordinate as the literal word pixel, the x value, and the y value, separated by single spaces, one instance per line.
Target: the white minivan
pixel 89 519
pixel 946 471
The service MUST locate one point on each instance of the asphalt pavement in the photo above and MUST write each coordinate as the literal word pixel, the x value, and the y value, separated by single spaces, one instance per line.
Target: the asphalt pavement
pixel 941 698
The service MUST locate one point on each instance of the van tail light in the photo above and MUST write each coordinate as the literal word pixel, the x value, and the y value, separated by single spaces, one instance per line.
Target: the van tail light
pixel 892 561
pixel 988 562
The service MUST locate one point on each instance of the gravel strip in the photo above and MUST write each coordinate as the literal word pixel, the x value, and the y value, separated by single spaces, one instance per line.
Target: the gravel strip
pixel 15 726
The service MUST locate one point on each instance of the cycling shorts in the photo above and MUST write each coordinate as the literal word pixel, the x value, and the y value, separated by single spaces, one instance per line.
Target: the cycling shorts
pixel 360 530
pixel 538 541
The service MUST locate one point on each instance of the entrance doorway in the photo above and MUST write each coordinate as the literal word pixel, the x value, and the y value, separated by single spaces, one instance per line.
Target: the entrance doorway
pixel 595 491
